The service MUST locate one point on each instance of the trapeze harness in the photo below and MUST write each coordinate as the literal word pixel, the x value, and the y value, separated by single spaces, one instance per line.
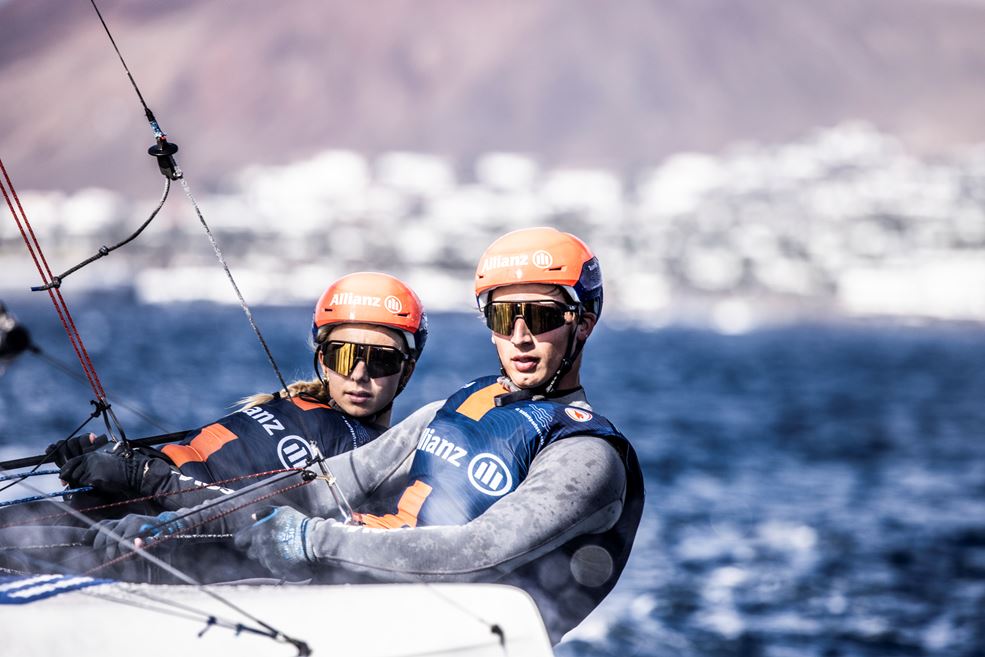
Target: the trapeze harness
pixel 474 452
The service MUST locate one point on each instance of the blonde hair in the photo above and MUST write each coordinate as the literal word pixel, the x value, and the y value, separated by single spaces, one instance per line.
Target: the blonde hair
pixel 312 388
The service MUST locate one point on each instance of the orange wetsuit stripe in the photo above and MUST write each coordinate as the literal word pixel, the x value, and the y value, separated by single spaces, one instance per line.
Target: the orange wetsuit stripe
pixel 480 401
pixel 207 442
pixel 306 405
pixel 407 509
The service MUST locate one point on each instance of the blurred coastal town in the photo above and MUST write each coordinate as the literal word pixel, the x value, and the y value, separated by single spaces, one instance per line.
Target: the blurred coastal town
pixel 843 222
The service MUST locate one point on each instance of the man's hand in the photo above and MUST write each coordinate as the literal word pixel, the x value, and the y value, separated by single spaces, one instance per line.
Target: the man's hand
pixel 278 540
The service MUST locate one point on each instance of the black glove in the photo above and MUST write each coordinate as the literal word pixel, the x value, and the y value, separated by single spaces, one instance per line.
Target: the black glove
pixel 113 471
pixel 146 528
pixel 65 450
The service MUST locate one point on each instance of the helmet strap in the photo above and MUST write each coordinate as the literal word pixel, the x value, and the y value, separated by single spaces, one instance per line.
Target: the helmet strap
pixel 570 356
pixel 316 363
pixel 405 375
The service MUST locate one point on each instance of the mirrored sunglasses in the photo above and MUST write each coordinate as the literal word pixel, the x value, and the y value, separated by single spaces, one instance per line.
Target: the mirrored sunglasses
pixel 341 358
pixel 539 316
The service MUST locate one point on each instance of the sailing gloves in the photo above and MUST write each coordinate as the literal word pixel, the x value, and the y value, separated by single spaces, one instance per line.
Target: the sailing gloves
pixel 279 541
pixel 112 471
pixel 133 526
pixel 65 450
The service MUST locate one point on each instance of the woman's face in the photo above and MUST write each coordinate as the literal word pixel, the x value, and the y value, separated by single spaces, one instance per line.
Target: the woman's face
pixel 358 394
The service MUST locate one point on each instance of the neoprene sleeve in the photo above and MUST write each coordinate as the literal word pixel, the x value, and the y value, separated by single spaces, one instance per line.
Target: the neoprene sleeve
pixel 575 486
pixel 378 469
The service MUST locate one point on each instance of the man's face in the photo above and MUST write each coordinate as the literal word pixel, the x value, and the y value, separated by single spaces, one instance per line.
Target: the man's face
pixel 531 360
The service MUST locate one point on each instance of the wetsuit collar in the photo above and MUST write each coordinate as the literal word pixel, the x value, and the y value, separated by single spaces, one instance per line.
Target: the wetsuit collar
pixel 516 394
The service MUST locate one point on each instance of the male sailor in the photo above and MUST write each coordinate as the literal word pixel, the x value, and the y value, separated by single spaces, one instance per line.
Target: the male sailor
pixel 512 479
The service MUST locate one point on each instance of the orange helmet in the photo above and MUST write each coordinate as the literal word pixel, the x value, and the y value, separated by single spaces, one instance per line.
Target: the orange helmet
pixel 373 298
pixel 541 255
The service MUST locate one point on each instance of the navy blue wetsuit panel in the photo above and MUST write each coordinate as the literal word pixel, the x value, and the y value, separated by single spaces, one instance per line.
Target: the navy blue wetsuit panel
pixel 270 436
pixel 474 452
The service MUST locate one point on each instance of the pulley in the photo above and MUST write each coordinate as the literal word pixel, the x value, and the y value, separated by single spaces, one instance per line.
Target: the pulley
pixel 164 151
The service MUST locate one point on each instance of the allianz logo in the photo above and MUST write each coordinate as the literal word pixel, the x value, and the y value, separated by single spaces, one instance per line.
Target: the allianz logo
pixel 431 443
pixel 350 299
pixel 540 258
pixel 294 451
pixel 393 304
pixel 488 474
pixel 499 262
pixel 265 418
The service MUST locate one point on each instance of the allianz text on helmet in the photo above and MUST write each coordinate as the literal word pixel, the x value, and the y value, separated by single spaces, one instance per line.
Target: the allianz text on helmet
pixel 374 298
pixel 541 255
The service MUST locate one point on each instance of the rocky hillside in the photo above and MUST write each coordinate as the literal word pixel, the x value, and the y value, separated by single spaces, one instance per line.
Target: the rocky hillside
pixel 616 84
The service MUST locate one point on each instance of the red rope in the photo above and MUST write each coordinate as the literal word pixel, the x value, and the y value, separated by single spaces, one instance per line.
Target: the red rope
pixel 37 254
pixel 184 530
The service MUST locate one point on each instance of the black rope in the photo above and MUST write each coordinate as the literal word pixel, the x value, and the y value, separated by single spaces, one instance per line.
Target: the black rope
pixel 104 250
pixel 150 114
pixel 57 364
pixel 47 456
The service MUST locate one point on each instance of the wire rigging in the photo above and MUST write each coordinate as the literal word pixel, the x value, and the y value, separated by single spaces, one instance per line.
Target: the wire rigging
pixel 271 631
pixel 164 152
pixel 147 498
pixel 239 295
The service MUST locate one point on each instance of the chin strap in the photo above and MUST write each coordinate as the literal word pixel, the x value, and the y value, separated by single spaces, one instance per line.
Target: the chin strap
pixel 572 352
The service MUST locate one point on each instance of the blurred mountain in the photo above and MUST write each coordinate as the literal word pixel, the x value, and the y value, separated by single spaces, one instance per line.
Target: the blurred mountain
pixel 618 84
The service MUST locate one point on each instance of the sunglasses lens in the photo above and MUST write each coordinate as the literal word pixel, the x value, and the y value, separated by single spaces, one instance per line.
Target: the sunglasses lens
pixel 499 318
pixel 539 317
pixel 382 361
pixel 341 358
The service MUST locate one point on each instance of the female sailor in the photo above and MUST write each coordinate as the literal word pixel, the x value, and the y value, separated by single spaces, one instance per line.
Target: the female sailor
pixel 369 330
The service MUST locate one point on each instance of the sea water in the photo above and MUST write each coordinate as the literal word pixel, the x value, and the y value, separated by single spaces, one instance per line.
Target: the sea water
pixel 813 490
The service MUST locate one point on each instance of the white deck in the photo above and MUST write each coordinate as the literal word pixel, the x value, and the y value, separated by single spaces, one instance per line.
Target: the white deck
pixel 367 620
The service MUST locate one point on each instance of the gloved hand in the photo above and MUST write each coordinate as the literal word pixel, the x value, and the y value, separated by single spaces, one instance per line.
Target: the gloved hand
pixel 143 530
pixel 278 540
pixel 64 450
pixel 111 471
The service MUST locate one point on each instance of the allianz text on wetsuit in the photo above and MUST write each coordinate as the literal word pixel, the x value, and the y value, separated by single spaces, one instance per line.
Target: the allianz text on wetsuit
pixel 512 479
